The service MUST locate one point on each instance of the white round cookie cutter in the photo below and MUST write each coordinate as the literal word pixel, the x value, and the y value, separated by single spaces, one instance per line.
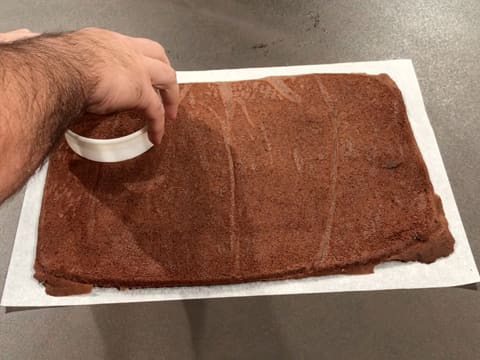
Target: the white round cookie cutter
pixel 109 150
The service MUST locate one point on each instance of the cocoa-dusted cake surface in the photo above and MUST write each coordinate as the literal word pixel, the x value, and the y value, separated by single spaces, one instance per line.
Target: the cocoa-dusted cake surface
pixel 256 180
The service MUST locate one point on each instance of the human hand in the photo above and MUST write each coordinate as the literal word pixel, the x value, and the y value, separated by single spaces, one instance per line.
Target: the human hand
pixel 19 34
pixel 123 73
pixel 69 73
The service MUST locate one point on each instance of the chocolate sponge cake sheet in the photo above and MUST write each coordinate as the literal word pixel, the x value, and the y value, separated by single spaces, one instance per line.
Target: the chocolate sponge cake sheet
pixel 274 178
pixel 458 268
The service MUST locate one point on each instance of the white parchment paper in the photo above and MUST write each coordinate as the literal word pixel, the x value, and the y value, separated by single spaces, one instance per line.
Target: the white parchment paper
pixel 21 289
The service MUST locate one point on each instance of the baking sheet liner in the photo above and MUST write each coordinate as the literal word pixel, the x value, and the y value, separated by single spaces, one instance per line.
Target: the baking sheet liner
pixel 21 289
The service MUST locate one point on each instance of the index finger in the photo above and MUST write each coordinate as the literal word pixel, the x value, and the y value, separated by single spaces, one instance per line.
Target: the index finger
pixel 171 99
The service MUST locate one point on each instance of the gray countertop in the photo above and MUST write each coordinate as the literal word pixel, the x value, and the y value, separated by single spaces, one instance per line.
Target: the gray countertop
pixel 442 38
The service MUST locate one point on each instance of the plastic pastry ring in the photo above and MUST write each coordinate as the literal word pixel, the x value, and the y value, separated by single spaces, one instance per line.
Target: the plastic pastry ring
pixel 110 150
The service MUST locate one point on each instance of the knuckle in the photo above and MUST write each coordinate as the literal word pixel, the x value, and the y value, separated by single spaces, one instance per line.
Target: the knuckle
pixel 160 48
pixel 172 74
pixel 157 46
pixel 158 107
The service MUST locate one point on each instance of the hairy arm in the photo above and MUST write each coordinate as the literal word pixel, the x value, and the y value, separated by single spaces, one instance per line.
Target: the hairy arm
pixel 42 91
pixel 48 81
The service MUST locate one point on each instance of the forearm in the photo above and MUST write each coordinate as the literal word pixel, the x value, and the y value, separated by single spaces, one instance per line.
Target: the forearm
pixel 42 92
